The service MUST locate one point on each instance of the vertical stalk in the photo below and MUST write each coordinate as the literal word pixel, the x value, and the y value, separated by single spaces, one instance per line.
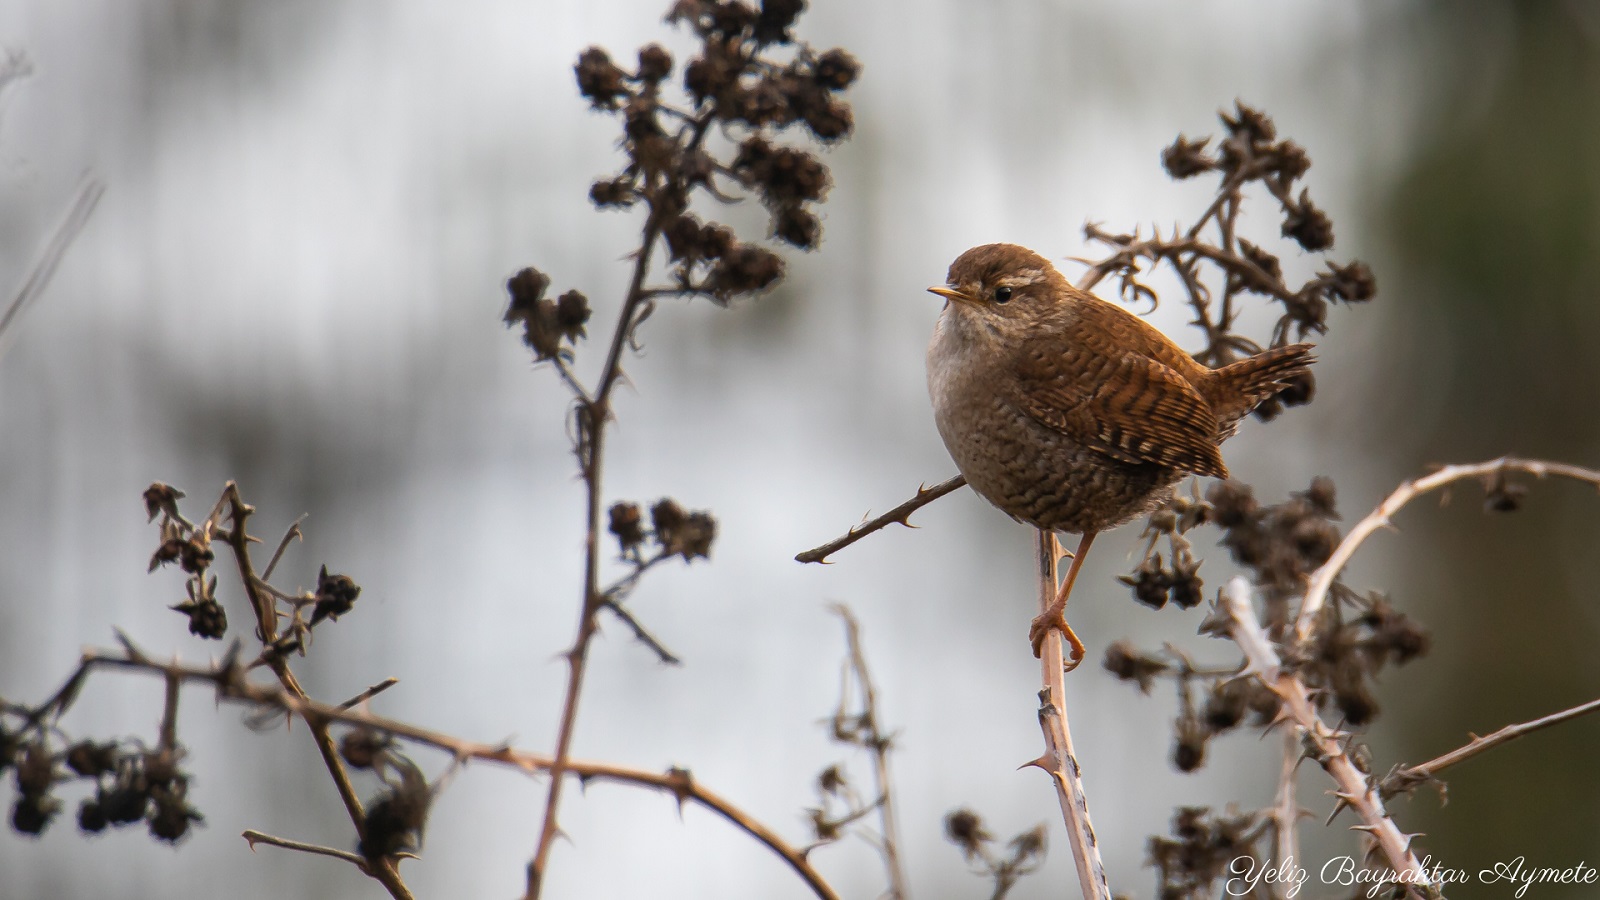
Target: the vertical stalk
pixel 1059 759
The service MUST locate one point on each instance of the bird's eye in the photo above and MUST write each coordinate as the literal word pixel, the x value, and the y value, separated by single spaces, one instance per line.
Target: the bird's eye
pixel 1002 295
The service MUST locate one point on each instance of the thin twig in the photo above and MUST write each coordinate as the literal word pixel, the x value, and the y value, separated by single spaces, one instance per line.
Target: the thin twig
pixel 1478 744
pixel 1353 788
pixel 230 684
pixel 571 380
pixel 1157 248
pixel 618 590
pixel 45 267
pixel 879 744
pixel 1322 579
pixel 640 634
pixel 289 534
pixel 1059 759
pixel 900 514
pixel 370 692
pixel 355 859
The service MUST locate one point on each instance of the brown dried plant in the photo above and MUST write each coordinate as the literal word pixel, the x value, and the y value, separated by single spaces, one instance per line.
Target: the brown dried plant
pixel 731 124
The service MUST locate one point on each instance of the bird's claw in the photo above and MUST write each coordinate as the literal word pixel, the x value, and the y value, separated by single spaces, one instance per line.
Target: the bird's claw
pixel 1055 619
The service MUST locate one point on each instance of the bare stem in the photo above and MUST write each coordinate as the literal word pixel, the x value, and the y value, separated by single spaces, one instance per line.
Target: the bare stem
pixel 1353 789
pixel 1059 759
pixel 370 692
pixel 640 633
pixel 290 534
pixel 879 744
pixel 900 514
pixel 169 714
pixel 45 267
pixel 1322 579
pixel 1418 773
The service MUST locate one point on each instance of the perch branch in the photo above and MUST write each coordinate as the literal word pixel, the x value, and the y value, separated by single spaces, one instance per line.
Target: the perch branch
pixel 1322 579
pixel 1059 759
pixel 1353 787
pixel 900 514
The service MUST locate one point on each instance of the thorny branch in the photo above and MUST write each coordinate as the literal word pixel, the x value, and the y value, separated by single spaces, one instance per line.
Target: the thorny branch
pixel 228 678
pixel 1406 778
pixel 900 514
pixel 593 414
pixel 749 81
pixel 1058 759
pixel 1502 495
pixel 1327 746
pixel 1332 644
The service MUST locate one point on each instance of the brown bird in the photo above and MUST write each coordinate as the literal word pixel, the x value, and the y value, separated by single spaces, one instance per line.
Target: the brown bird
pixel 1071 413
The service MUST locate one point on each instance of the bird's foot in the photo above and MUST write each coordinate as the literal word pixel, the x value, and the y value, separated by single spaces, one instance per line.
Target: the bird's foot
pixel 1055 619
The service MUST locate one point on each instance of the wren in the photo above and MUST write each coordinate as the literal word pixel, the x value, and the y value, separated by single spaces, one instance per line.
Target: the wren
pixel 1072 414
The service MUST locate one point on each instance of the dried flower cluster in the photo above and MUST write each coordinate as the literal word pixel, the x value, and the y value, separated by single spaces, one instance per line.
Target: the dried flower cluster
pixel 546 323
pixel 966 830
pixel 1280 545
pixel 688 534
pixel 751 78
pixel 1249 153
pixel 133 781
pixel 750 96
pixel 191 547
pixel 1200 851
pixel 1154 583
pixel 1229 698
pixel 130 784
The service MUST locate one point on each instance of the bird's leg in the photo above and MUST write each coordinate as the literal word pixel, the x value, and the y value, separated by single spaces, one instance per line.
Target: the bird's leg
pixel 1055 617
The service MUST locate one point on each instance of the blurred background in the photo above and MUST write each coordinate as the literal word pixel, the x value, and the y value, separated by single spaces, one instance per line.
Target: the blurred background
pixel 295 280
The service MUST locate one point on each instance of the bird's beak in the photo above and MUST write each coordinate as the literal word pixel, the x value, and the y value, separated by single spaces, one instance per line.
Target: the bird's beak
pixel 950 293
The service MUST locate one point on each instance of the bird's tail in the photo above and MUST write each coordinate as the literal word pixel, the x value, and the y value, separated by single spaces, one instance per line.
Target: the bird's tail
pixel 1241 386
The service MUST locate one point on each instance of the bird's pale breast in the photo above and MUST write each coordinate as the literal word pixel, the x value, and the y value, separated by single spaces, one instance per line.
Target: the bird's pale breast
pixel 1031 472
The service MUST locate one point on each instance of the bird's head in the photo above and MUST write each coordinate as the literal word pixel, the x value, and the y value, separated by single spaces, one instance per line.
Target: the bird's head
pixel 1002 288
